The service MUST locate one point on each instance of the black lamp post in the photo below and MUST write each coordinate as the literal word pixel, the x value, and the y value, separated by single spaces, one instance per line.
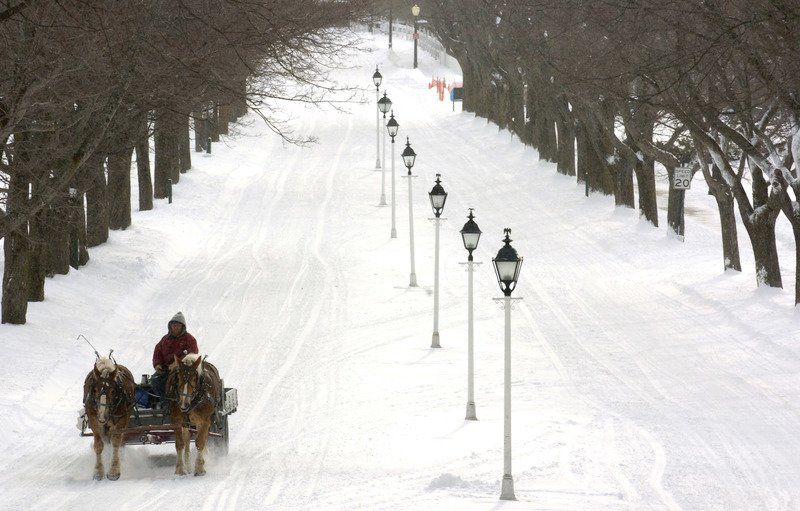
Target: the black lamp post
pixel 470 234
pixel 507 265
pixel 392 127
pixel 438 197
pixel 409 157
pixel 377 78
pixel 415 12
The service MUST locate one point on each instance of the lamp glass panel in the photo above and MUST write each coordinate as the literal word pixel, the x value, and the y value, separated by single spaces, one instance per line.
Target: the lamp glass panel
pixel 471 240
pixel 438 201
pixel 506 269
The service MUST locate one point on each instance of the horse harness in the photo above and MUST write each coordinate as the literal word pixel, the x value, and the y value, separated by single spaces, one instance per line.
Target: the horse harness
pixel 119 392
pixel 201 392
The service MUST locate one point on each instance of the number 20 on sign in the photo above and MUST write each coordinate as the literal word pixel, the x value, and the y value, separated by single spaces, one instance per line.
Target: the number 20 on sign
pixel 682 178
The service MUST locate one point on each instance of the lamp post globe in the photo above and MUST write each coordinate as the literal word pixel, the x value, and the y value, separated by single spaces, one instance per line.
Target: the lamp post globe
pixel 384 104
pixel 507 265
pixel 377 78
pixel 438 196
pixel 409 156
pixel 415 10
pixel 471 234
pixel 392 126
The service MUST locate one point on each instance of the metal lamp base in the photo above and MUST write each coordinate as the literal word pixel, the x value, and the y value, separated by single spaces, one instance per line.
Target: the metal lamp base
pixel 435 340
pixel 471 412
pixel 413 280
pixel 394 233
pixel 507 491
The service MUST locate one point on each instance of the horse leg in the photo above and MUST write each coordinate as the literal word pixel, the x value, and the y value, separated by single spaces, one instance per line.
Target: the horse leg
pixel 179 442
pixel 188 435
pixel 200 443
pixel 98 457
pixel 116 442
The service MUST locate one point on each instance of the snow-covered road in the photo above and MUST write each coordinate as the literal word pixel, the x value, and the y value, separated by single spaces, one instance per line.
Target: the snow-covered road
pixel 643 377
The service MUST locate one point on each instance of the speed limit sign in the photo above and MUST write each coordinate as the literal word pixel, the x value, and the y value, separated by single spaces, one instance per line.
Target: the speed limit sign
pixel 682 178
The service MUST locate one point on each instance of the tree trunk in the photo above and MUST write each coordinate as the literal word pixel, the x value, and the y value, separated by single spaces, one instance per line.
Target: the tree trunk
pixel 566 143
pixel 214 123
pixel 166 153
pixel 730 242
pixel 582 163
pixel 37 256
pixel 224 119
pixel 547 139
pixel 241 102
pixel 119 188
pixel 675 219
pixel 77 230
pixel 765 251
pixel 199 131
pixel 722 193
pixel 762 232
pixel 16 251
pixel 96 203
pixel 623 184
pixel 646 186
pixel 185 151
pixel 143 165
pixel 57 229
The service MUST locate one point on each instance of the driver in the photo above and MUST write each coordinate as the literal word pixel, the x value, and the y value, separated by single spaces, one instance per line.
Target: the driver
pixel 178 342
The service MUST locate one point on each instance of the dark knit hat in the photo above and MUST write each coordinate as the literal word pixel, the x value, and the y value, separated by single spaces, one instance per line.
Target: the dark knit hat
pixel 178 318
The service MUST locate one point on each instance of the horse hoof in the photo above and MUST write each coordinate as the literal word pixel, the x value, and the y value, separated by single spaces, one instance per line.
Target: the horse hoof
pixel 112 477
pixel 200 473
pixel 97 477
pixel 180 473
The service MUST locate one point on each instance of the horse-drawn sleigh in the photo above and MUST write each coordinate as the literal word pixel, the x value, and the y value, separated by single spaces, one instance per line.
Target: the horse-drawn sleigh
pixel 196 408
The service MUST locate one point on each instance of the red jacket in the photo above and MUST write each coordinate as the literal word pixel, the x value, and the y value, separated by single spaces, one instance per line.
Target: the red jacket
pixel 169 346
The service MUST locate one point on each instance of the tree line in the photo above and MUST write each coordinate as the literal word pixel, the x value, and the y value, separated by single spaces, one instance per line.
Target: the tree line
pixel 611 88
pixel 86 85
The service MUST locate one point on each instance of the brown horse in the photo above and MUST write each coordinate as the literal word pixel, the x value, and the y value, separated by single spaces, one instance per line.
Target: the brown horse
pixel 108 394
pixel 195 391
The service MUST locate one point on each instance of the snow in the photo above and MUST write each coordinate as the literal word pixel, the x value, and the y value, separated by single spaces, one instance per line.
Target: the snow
pixel 643 376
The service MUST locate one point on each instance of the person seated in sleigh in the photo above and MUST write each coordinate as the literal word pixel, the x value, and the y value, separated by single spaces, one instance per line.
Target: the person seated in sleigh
pixel 177 343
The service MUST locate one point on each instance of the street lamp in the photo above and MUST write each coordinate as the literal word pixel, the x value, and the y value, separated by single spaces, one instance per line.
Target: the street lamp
pixel 506 266
pixel 438 197
pixel 392 127
pixel 409 157
pixel 377 78
pixel 471 234
pixel 415 12
pixel 384 105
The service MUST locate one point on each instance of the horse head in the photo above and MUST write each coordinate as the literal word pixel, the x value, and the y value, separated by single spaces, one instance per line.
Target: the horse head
pixel 104 391
pixel 190 380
